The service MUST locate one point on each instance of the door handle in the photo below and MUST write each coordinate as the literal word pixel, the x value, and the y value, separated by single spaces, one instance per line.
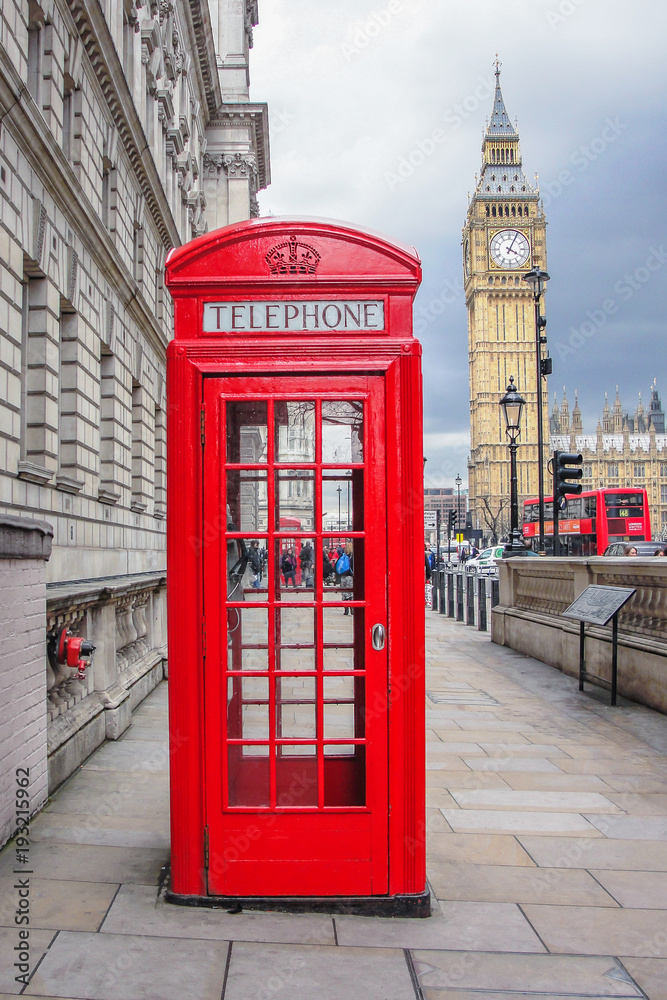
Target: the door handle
pixel 378 636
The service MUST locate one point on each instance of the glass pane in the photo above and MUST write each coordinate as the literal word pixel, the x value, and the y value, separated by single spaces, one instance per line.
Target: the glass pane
pixel 247 569
pixel 338 627
pixel 246 431
pixel 348 586
pixel 247 500
pixel 339 722
pixel 295 639
pixel 295 431
pixel 297 721
pixel 296 776
pixel 248 708
pixel 294 577
pixel 247 639
pixel 248 775
pixel 342 431
pixel 295 500
pixel 343 639
pixel 339 689
pixel 338 496
pixel 345 775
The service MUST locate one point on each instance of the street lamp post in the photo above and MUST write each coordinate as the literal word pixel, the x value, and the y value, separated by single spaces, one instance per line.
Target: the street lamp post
pixel 512 405
pixel 458 482
pixel 537 280
pixel 339 491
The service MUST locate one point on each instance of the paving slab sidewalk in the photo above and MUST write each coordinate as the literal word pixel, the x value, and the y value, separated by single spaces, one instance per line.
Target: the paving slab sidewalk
pixel 547 858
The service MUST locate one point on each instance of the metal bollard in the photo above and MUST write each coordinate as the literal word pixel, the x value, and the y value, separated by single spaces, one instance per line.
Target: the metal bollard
pixel 495 593
pixel 434 589
pixel 481 603
pixel 459 597
pixel 442 596
pixel 470 594
pixel 450 595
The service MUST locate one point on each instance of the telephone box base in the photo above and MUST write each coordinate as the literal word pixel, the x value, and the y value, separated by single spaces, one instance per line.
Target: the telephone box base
pixel 418 905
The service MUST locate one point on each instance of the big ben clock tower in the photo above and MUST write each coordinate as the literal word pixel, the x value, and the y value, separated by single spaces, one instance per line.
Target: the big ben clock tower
pixel 503 238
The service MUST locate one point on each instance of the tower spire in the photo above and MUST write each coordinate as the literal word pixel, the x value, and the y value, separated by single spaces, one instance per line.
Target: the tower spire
pixel 500 123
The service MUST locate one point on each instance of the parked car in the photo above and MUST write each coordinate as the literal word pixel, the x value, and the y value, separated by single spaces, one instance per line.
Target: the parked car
pixel 643 548
pixel 486 563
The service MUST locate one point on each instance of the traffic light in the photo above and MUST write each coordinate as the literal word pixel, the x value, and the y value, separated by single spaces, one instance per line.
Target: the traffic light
pixel 452 520
pixel 564 473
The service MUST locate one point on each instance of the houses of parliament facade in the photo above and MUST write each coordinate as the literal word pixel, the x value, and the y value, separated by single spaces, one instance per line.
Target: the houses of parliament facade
pixel 625 450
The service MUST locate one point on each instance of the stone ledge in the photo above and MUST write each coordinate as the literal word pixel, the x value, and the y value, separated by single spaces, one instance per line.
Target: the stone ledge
pixel 25 538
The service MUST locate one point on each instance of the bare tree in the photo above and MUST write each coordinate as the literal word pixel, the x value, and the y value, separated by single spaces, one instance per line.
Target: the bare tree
pixel 495 518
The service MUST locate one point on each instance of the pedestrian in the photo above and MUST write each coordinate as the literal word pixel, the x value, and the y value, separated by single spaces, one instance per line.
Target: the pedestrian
pixel 255 564
pixel 629 550
pixel 661 552
pixel 288 566
pixel 306 559
pixel 328 571
pixel 345 571
pixel 427 563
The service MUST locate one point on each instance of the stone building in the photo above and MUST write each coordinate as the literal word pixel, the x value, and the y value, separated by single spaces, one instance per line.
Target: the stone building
pixel 626 449
pixel 125 130
pixel 504 237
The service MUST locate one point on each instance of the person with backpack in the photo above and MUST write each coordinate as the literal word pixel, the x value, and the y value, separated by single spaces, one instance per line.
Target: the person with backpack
pixel 345 571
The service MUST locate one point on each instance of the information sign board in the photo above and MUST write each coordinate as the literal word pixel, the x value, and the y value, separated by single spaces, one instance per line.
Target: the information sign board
pixel 430 520
pixel 597 605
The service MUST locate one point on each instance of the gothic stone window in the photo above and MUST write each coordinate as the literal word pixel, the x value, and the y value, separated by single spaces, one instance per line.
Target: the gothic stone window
pixel 639 470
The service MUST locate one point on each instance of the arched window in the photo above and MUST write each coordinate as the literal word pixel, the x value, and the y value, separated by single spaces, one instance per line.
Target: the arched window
pixel 507 210
pixel 514 210
pixel 488 212
pixel 493 210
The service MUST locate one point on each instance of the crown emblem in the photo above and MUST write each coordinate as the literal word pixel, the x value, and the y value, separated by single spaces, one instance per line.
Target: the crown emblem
pixel 292 257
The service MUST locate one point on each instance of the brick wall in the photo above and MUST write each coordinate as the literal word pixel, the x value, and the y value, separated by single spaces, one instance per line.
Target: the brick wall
pixel 24 548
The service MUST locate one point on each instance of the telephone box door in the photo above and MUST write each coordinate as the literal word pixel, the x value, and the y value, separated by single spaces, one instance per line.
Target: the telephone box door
pixel 295 677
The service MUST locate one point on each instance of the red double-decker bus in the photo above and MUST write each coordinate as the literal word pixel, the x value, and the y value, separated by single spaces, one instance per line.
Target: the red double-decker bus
pixel 590 521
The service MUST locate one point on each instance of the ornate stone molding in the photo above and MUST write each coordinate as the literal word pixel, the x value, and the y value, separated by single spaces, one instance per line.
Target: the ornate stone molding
pixel 240 164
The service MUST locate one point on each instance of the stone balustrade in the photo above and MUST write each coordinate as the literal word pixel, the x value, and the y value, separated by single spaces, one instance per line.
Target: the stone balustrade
pixel 534 593
pixel 125 618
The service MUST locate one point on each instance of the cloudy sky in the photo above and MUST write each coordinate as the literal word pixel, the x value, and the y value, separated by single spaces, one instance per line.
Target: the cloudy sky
pixel 355 87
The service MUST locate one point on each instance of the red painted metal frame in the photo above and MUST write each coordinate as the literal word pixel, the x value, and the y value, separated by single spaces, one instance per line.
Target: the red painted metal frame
pixel 231 263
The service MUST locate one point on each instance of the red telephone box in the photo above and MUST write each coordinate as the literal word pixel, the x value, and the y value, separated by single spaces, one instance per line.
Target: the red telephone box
pixel 295 570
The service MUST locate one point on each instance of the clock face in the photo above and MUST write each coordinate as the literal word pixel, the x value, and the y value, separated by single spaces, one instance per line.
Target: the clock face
pixel 509 248
pixel 466 256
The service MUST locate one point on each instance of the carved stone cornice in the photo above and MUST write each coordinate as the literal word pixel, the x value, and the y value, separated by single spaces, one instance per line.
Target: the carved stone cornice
pixel 206 61
pixel 255 118
pixel 94 33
